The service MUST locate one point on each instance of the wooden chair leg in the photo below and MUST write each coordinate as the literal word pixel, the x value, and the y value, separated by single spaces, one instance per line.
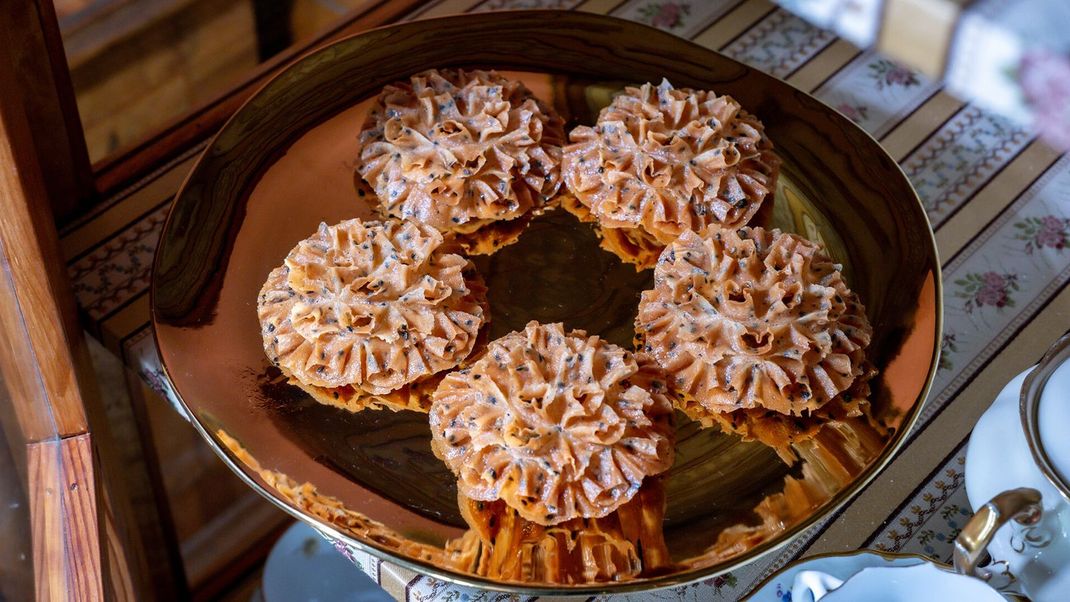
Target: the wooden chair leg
pixel 48 375
pixel 63 515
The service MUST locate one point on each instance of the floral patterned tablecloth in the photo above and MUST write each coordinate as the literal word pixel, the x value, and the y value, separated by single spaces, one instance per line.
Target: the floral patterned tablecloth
pixel 998 200
pixel 1007 56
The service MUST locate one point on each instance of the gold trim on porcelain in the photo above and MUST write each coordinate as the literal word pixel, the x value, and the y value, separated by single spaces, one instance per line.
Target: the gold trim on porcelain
pixel 1029 408
pixel 884 555
pixel 889 556
pixel 1020 505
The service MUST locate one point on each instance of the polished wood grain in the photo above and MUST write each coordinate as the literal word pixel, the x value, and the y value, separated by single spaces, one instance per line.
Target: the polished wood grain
pixel 41 298
pixel 279 167
pixel 32 35
pixel 64 519
pixel 46 365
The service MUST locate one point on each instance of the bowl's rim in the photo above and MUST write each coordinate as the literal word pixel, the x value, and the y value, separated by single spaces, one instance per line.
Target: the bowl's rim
pixel 832 507
pixel 1030 396
pixel 885 556
pixel 882 554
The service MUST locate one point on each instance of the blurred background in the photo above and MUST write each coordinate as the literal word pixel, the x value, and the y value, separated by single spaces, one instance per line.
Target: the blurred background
pixel 138 64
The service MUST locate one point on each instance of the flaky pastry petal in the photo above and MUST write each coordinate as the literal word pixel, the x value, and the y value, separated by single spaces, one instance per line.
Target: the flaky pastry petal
pixel 753 318
pixel 374 305
pixel 557 425
pixel 458 149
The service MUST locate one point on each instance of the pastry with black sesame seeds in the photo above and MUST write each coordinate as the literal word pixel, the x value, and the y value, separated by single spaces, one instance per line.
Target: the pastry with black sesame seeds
pixel 558 426
pixel 663 160
pixel 363 313
pixel 753 318
pixel 461 151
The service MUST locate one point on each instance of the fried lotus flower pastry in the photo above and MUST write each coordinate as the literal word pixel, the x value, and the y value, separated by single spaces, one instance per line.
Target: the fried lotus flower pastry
pixel 458 150
pixel 661 161
pixel 372 305
pixel 753 318
pixel 558 426
pixel 415 396
pixel 626 544
pixel 784 433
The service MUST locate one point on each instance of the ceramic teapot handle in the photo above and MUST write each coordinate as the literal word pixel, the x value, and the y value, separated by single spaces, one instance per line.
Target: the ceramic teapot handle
pixel 1020 505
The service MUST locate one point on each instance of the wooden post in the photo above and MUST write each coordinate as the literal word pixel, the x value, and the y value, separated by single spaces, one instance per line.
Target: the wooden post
pixel 63 516
pixel 32 35
pixel 47 371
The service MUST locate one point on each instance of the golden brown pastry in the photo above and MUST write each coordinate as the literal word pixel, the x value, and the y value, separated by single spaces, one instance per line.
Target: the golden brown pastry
pixel 458 150
pixel 370 305
pixel 661 161
pixel 558 426
pixel 331 510
pixel 831 461
pixel 630 245
pixel 493 236
pixel 782 432
pixel 415 396
pixel 502 545
pixel 753 318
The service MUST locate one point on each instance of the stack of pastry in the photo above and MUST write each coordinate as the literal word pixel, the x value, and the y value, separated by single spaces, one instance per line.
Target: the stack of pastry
pixel 367 314
pixel 661 161
pixel 551 435
pixel 469 153
pixel 501 544
pixel 755 329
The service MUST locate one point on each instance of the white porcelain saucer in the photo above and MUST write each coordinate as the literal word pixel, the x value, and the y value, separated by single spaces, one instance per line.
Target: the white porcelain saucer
pixel 304 567
pixel 872 576
pixel 778 587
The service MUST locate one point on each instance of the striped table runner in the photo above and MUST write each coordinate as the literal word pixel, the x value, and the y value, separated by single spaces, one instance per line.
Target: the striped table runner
pixel 999 202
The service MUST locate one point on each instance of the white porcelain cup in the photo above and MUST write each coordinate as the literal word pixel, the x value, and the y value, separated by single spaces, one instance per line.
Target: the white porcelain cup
pixel 924 581
pixel 1017 466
